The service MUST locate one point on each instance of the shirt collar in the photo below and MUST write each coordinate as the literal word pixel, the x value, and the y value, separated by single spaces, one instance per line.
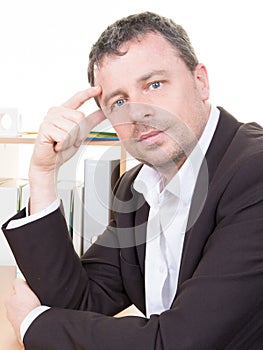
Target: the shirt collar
pixel 182 184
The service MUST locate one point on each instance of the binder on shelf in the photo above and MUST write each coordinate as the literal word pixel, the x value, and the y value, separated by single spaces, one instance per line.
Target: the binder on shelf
pixel 12 187
pixel 71 194
pixel 100 177
pixel 64 189
pixel 65 193
pixel 77 238
pixel 10 198
pixel 25 194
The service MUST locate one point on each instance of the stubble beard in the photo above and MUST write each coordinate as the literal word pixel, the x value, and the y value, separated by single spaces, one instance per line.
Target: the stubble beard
pixel 165 161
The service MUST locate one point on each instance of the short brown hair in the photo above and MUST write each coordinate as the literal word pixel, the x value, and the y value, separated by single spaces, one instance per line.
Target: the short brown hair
pixel 134 26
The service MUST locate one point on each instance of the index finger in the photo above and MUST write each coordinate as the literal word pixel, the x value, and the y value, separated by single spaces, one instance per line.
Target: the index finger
pixel 82 96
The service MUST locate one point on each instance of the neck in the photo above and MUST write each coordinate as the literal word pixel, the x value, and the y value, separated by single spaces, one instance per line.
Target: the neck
pixel 168 171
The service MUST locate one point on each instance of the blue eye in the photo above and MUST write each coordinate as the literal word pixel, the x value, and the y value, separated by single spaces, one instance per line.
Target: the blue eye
pixel 119 102
pixel 155 85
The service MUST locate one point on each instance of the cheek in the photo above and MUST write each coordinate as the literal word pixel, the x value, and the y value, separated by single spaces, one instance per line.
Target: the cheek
pixel 124 130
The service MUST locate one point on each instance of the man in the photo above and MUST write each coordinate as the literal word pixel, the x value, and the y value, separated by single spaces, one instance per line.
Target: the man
pixel 185 243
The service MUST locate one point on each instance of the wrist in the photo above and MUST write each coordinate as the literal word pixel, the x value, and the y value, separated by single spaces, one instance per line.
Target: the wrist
pixel 43 189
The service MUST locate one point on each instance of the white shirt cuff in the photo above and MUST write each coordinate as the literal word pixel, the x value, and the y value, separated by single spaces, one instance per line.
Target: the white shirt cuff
pixel 30 318
pixel 26 220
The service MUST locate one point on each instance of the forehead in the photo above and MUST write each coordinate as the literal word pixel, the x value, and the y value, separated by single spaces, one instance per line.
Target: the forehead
pixel 140 52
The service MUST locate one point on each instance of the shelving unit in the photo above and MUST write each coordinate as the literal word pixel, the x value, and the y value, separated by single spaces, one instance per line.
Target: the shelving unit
pixel 27 139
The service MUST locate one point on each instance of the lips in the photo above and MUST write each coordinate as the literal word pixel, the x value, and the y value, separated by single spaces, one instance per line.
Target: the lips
pixel 150 136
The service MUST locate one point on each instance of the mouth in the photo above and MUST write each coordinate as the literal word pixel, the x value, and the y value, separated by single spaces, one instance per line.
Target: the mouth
pixel 151 137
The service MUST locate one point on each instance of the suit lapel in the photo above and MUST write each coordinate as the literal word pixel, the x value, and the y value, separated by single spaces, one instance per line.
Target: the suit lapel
pixel 201 222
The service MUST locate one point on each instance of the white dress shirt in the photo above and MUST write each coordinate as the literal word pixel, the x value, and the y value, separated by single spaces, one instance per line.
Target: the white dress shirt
pixel 168 217
pixel 169 210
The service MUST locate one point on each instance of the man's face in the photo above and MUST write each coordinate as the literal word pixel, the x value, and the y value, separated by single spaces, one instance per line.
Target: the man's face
pixel 156 105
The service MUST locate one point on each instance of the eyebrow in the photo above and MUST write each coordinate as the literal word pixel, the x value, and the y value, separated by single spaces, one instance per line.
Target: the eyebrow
pixel 151 74
pixel 143 78
pixel 108 97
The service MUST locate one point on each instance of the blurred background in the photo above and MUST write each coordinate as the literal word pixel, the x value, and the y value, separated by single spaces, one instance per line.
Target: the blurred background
pixel 45 46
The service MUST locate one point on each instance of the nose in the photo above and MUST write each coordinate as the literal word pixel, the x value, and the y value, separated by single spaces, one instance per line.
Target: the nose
pixel 138 112
pixel 133 112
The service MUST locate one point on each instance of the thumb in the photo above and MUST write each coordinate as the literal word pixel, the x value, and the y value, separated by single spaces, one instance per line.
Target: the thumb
pixel 18 284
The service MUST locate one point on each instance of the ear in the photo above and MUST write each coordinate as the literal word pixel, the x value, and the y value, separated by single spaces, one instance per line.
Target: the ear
pixel 202 81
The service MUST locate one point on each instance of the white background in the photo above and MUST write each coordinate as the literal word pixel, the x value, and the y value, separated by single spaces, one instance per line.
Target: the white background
pixel 45 46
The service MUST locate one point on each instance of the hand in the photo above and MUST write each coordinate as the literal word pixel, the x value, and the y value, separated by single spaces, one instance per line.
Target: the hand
pixel 63 130
pixel 20 304
pixel 59 137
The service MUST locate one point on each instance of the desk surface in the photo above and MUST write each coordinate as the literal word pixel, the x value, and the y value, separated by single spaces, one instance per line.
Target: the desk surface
pixel 8 339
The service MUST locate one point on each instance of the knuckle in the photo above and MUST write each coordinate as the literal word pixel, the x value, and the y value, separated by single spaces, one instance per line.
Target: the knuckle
pixel 52 110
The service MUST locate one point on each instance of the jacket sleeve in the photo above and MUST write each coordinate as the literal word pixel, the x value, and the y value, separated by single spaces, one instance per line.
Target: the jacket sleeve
pixel 46 257
pixel 219 307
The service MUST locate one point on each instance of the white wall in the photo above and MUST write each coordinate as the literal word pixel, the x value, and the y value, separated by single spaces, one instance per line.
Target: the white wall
pixel 45 45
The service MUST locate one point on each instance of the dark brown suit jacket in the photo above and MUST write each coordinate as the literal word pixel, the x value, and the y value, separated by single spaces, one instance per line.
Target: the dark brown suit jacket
pixel 219 301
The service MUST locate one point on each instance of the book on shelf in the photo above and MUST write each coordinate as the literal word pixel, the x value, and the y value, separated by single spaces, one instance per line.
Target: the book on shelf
pixel 100 177
pixel 102 136
pixel 92 135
